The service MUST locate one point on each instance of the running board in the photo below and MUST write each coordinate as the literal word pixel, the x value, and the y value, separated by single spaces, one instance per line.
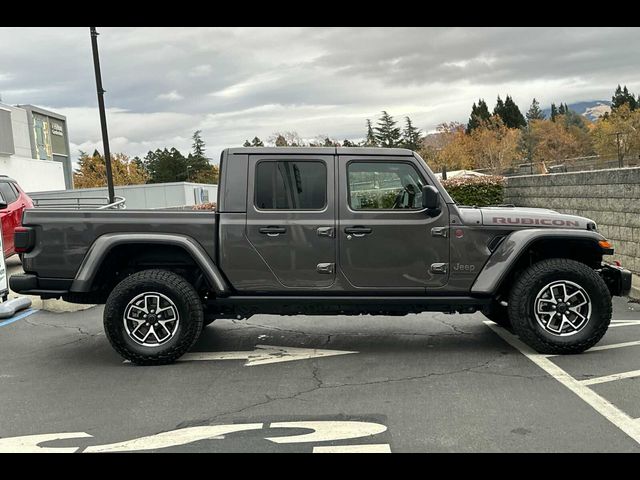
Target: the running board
pixel 372 304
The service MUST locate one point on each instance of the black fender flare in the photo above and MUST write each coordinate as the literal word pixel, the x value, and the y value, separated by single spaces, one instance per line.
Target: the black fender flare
pixel 102 246
pixel 512 248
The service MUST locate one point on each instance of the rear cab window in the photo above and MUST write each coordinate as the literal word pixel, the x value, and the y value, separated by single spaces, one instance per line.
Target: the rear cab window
pixel 290 185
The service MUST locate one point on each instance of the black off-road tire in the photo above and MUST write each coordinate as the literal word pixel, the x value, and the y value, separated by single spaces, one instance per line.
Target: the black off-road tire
pixel 533 280
pixel 179 291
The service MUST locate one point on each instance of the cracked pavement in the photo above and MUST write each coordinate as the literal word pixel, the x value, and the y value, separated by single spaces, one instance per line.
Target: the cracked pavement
pixel 438 382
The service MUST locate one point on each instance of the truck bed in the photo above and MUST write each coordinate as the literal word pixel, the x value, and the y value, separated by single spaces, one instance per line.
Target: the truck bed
pixel 64 236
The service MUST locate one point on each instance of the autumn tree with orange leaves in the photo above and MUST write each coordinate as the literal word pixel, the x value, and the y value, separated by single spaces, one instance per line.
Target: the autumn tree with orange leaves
pixel 92 171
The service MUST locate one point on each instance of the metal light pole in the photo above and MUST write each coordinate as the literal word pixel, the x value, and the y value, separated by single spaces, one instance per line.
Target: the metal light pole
pixel 103 116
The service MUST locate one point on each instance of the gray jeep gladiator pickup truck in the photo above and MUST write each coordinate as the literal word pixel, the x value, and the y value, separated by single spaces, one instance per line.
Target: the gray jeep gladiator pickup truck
pixel 322 231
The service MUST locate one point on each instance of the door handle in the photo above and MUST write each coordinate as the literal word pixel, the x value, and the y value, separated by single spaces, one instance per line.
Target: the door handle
pixel 272 231
pixel 325 232
pixel 358 231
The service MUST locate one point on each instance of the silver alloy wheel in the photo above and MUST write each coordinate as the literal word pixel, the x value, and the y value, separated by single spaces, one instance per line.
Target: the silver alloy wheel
pixel 562 308
pixel 151 319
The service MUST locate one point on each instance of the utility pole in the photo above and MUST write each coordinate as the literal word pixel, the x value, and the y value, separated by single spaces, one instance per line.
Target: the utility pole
pixel 103 116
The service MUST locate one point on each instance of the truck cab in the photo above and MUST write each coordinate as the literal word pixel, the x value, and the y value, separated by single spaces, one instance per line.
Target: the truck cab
pixel 349 220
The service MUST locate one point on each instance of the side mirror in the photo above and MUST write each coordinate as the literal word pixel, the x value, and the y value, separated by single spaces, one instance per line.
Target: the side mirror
pixel 430 197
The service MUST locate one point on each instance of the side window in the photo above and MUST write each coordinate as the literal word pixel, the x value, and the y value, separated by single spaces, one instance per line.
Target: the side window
pixel 15 188
pixel 290 185
pixel 8 192
pixel 384 186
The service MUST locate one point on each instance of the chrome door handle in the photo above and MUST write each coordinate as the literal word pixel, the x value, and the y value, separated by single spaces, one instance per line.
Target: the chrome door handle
pixel 325 232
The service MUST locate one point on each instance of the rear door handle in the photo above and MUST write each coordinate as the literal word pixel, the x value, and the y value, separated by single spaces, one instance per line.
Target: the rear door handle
pixel 358 231
pixel 272 231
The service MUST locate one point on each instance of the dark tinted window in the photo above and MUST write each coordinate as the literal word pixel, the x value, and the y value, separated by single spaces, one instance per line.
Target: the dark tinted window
pixel 291 185
pixel 383 186
pixel 8 193
pixel 15 189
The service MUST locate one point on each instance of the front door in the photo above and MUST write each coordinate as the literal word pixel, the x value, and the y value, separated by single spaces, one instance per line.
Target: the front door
pixel 291 218
pixel 386 239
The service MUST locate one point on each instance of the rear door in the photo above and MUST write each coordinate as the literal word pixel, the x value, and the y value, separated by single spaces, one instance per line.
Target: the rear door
pixel 386 239
pixel 291 217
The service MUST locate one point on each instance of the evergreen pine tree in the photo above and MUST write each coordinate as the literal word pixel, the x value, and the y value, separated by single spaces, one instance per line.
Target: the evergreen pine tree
pixel 198 144
pixel 534 113
pixel 499 108
pixel 623 97
pixel 479 113
pixel 256 142
pixel 246 143
pixel 554 112
pixel 370 140
pixel 386 132
pixel 512 116
pixel 411 136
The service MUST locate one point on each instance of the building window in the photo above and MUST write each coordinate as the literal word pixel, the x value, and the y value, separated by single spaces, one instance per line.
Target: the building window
pixel 43 137
pixel 291 185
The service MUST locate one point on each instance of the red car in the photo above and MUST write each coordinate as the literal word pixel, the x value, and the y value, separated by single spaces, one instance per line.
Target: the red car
pixel 13 202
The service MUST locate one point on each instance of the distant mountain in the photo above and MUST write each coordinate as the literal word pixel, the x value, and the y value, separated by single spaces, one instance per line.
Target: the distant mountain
pixel 592 109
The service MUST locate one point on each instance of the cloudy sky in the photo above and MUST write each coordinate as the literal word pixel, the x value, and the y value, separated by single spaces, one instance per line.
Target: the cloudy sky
pixel 235 83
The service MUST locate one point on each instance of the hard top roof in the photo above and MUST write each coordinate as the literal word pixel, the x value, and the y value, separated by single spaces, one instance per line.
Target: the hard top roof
pixel 368 151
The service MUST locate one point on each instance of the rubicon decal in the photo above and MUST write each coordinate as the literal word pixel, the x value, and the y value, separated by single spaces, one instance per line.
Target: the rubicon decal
pixel 550 222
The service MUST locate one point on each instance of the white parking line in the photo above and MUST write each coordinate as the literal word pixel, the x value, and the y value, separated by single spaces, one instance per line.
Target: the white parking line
pixel 374 448
pixel 606 347
pixel 614 345
pixel 627 323
pixel 600 404
pixel 611 378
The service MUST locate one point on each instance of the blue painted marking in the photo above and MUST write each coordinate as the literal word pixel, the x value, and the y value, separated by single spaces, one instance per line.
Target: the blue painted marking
pixel 22 315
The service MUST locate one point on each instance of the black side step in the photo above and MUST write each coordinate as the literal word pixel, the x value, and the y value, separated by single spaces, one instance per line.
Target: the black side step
pixel 354 305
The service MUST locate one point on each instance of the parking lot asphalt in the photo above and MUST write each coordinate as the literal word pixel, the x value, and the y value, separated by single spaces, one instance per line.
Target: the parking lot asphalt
pixel 419 383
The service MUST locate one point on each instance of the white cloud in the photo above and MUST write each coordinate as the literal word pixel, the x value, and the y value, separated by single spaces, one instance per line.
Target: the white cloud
pixel 172 96
pixel 236 83
pixel 200 71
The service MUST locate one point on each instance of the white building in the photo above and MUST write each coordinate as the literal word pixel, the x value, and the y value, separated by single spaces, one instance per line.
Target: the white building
pixel 34 148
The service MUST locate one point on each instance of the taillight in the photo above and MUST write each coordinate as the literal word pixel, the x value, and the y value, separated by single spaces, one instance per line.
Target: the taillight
pixel 24 239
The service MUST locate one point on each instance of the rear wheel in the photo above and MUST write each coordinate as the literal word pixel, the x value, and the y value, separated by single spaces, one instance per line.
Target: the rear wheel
pixel 560 306
pixel 153 317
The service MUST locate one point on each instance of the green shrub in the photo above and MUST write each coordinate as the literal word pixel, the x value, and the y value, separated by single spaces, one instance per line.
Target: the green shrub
pixel 480 191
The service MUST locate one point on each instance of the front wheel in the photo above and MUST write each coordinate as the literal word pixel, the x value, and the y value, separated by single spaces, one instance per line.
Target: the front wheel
pixel 153 317
pixel 560 306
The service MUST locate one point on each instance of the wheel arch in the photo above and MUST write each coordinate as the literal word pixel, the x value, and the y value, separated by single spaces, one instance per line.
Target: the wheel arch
pixel 98 254
pixel 524 247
